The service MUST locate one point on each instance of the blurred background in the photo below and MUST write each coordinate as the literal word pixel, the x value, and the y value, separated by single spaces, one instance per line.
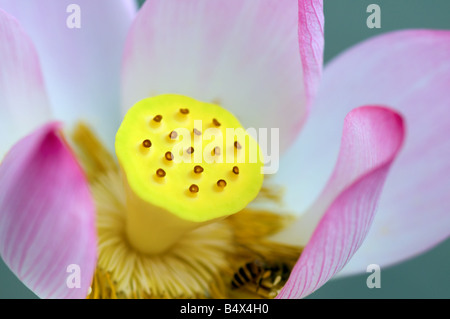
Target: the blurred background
pixel 425 276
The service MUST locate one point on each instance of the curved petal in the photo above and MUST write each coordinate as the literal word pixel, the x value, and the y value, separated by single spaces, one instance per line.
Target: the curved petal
pixel 311 41
pixel 23 100
pixel 242 54
pixel 371 140
pixel 47 216
pixel 81 66
pixel 410 71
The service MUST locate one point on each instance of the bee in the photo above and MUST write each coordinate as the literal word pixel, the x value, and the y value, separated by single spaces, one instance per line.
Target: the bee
pixel 261 277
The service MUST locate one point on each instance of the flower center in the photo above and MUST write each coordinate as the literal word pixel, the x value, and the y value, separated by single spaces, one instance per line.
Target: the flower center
pixel 231 258
pixel 184 164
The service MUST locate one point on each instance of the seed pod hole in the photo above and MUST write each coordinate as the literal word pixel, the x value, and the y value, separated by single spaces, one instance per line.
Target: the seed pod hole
pixel 147 143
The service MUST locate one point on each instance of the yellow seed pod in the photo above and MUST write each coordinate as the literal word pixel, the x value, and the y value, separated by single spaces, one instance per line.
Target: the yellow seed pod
pixel 188 159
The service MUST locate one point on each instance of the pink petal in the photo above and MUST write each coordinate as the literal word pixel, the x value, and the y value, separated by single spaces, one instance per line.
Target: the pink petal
pixel 243 54
pixel 371 140
pixel 23 101
pixel 410 71
pixel 311 40
pixel 81 66
pixel 46 216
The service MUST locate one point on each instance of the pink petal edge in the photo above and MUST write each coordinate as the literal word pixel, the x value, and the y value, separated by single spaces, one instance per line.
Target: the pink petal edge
pixel 81 66
pixel 23 100
pixel 46 215
pixel 409 70
pixel 371 140
pixel 311 41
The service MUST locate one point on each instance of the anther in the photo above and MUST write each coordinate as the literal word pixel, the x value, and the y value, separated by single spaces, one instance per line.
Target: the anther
pixel 193 188
pixel 190 150
pixel 221 183
pixel 198 169
pixel 216 122
pixel 160 172
pixel 184 111
pixel 157 118
pixel 146 143
pixel 236 170
pixel 237 145
pixel 173 135
pixel 197 132
pixel 168 156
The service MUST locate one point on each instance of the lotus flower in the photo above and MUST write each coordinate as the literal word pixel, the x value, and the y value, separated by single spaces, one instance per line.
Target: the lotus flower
pixel 365 154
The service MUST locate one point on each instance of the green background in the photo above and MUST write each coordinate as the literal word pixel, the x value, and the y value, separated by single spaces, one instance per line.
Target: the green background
pixel 425 276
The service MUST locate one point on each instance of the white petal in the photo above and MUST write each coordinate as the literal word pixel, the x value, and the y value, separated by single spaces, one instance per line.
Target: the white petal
pixel 23 100
pixel 81 66
pixel 259 59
